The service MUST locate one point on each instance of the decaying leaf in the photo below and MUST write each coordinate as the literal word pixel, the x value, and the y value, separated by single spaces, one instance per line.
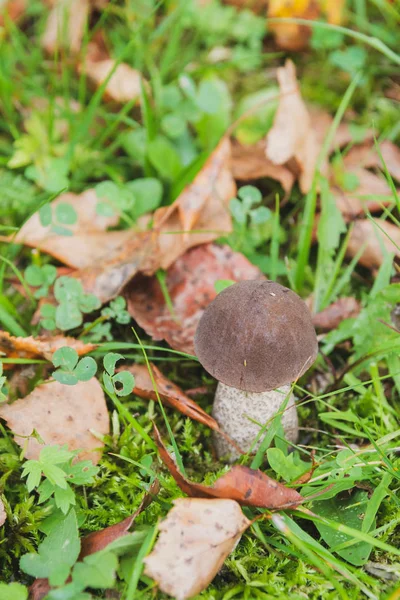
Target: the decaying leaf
pixel 13 9
pixel 3 515
pixel 98 540
pixel 377 237
pixel 190 283
pixel 335 313
pixel 195 539
pixel 61 414
pixel 247 486
pixel 169 393
pixel 249 163
pixel 366 155
pixel 30 347
pixel 291 140
pixel 66 25
pixel 125 82
pixel 202 206
pixel 371 193
pixel 294 36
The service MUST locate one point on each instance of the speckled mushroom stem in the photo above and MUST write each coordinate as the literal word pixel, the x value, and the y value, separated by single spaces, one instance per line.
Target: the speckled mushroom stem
pixel 238 412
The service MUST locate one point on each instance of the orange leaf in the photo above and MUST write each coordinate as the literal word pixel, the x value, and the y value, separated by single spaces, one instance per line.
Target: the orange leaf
pixel 41 346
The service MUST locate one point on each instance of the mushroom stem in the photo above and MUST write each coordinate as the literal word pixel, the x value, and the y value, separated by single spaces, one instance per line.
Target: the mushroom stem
pixel 238 412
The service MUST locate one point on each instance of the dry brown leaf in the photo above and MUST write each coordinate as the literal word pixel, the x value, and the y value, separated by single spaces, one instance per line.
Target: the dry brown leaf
pixel 247 486
pixel 42 346
pixel 367 156
pixel 335 313
pixel 61 414
pixel 14 9
pixel 3 514
pixel 294 36
pixel 291 141
pixel 98 540
pixel 376 236
pixel 190 283
pixel 250 162
pixel 66 25
pixel 195 539
pixel 125 82
pixel 203 205
pixel 371 194
pixel 169 393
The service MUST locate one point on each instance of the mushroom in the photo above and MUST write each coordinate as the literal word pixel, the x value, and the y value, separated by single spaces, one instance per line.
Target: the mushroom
pixel 255 338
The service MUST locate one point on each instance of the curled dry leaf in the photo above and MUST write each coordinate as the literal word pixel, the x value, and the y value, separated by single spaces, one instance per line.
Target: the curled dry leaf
pixel 169 393
pixel 190 283
pixel 66 25
pixel 247 486
pixel 61 414
pixel 203 205
pixel 294 36
pixel 335 313
pixel 3 515
pixel 30 347
pixel 371 193
pixel 377 237
pixel 195 539
pixel 98 540
pixel 292 140
pixel 125 82
pixel 366 155
pixel 249 163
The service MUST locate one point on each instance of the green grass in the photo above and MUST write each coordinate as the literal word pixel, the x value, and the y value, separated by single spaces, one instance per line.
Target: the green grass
pixel 348 402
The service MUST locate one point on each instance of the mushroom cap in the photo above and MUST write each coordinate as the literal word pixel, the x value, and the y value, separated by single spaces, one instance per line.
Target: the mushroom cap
pixel 256 336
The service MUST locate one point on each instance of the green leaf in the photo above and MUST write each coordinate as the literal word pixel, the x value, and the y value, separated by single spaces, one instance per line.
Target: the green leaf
pixel 110 360
pixel 97 570
pixel 222 284
pixel 13 591
pixel 124 379
pixel 64 498
pixel 81 472
pixel 108 384
pixel 249 195
pixel 148 193
pixel 33 470
pixel 88 303
pixel 66 358
pixel 55 475
pixel 349 510
pixel 164 158
pixel 289 467
pixel 66 214
pixel 61 547
pixel 238 211
pixel 86 369
pixel 260 215
pixel 65 377
pixel 351 60
pixel 34 275
pixel 67 289
pixel 68 315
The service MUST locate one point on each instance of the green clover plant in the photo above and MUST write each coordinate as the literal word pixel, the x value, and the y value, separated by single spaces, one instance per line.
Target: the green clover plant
pixel 72 370
pixel 121 383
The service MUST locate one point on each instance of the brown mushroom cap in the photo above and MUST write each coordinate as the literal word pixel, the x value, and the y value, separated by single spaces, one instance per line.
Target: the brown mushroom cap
pixel 256 336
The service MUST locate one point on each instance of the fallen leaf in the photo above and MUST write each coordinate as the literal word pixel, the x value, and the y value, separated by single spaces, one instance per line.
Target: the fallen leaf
pixel 371 193
pixel 203 204
pixel 3 514
pixel 367 156
pixel 14 9
pixel 190 283
pixel 169 393
pixel 98 540
pixel 291 141
pixel 249 163
pixel 125 82
pixel 294 36
pixel 61 414
pixel 42 346
pixel 195 539
pixel 247 486
pixel 335 313
pixel 376 236
pixel 65 25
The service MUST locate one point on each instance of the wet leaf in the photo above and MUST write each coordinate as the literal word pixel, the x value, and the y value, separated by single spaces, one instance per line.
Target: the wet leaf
pixel 335 313
pixel 247 486
pixel 195 539
pixel 39 347
pixel 190 282
pixel 377 237
pixel 169 393
pixel 61 414
pixel 292 138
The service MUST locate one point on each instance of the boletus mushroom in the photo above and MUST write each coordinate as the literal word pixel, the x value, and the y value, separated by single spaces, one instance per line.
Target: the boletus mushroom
pixel 255 338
